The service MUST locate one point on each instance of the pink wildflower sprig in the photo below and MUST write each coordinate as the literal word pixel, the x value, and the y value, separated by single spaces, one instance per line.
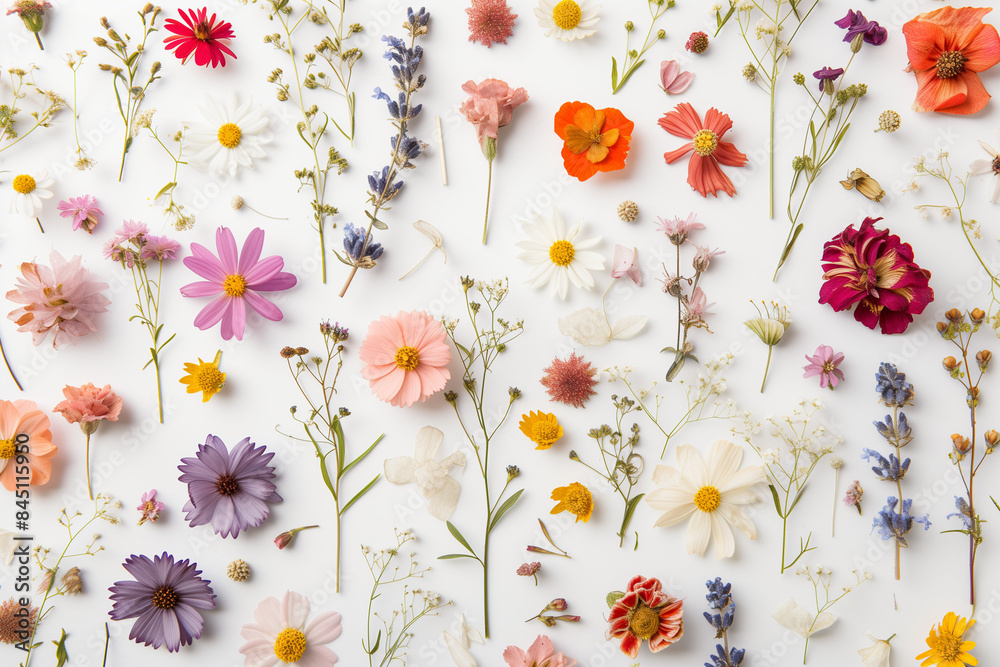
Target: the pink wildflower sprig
pixel 150 507
pixel 82 210
pixel 285 539
pixel 559 604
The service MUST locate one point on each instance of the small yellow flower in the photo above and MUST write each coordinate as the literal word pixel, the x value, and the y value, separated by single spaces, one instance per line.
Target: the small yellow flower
pixel 204 377
pixel 575 499
pixel 946 646
pixel 541 428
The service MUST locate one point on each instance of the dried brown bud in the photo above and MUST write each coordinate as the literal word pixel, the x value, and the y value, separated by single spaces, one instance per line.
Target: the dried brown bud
pixel 961 443
pixel 977 315
pixel 302 351
pixel 955 315
pixel 983 357
pixel 950 363
pixel 71 581
pixel 865 184
pixel 942 327
pixel 991 437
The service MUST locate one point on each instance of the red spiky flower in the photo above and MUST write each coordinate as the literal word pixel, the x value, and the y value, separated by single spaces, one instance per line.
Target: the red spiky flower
pixel 570 381
pixel 490 21
pixel 202 37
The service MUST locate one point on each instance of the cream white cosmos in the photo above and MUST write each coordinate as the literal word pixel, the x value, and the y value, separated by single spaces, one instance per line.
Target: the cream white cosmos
pixel 559 257
pixel 568 19
pixel 29 192
pixel 230 138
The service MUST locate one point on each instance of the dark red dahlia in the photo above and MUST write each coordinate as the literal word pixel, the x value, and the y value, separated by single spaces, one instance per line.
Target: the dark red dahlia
pixel 201 36
pixel 645 613
pixel 874 270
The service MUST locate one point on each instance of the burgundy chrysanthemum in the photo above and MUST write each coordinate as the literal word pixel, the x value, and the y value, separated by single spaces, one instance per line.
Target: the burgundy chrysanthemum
pixel 570 381
pixel 645 613
pixel 490 21
pixel 874 270
pixel 201 36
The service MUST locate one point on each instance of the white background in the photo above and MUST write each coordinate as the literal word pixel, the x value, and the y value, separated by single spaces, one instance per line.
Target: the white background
pixel 136 454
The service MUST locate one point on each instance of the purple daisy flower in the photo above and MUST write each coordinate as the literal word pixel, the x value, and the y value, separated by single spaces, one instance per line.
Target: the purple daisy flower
pixel 165 598
pixel 229 490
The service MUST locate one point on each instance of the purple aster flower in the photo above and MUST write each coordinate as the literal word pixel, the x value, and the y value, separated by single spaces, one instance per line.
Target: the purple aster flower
pixel 228 490
pixel 165 598
pixel 856 24
pixel 827 74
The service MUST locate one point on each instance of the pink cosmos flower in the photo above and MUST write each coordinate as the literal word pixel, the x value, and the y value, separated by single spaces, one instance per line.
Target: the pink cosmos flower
pixel 83 210
pixel 825 364
pixel 280 634
pixel 677 230
pixel 63 298
pixel 150 507
pixel 89 404
pixel 491 105
pixel 200 36
pixel 406 357
pixel 626 264
pixel 540 654
pixel 235 279
pixel 159 248
pixel 672 80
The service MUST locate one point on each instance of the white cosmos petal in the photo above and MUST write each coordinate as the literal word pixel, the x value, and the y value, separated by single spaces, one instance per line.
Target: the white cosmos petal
pixel 995 189
pixel 722 536
pixel 977 167
pixel 723 461
pixel 6 547
pixel 699 532
pixel 459 654
pixel 737 518
pixel 800 621
pixel 692 465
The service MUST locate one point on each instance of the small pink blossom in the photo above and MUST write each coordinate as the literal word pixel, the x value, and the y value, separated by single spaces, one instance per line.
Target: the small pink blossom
pixel 672 80
pixel 83 210
pixel 540 653
pixel 159 248
pixel 528 569
pixel 854 495
pixel 491 106
pixel 697 308
pixel 626 264
pixel 150 507
pixel 824 363
pixel 677 230
pixel 703 257
pixel 89 404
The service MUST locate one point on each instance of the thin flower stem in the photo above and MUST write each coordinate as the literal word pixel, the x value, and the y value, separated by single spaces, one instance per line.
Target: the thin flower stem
pixel 770 348
pixel 417 266
pixel 489 186
pixel 263 215
pixel 39 225
pixel 10 370
pixel 87 460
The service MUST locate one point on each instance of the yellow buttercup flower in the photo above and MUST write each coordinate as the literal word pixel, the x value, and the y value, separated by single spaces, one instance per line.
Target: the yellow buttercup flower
pixel 575 499
pixel 947 648
pixel 204 377
pixel 542 428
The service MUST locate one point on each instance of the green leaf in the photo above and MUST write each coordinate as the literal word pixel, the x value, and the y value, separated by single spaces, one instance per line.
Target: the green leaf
pixel 338 431
pixel 614 74
pixel 165 189
pixel 675 367
pixel 613 597
pixel 629 511
pixel 791 242
pixel 376 223
pixel 362 455
pixel 451 556
pixel 357 496
pixel 378 640
pixel 777 503
pixel 62 657
pixel 458 536
pixel 797 497
pixel 840 137
pixel 631 71
pixel 507 504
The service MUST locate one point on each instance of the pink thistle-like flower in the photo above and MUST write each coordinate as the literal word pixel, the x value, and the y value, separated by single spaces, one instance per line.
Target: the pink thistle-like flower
pixel 824 363
pixel 644 613
pixel 490 21
pixel 150 507
pixel 854 495
pixel 490 106
pixel 201 36
pixel 697 42
pixel 63 299
pixel 874 270
pixel 541 653
pixel 703 257
pixel 406 357
pixel 676 229
pixel 528 569
pixel 235 279
pixel 89 404
pixel 696 309
pixel 626 264
pixel 28 8
pixel 83 210
pixel 672 80
pixel 159 248
pixel 570 381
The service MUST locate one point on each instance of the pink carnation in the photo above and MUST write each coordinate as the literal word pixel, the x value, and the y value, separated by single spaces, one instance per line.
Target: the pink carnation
pixel 63 299
pixel 406 357
pixel 89 404
pixel 491 105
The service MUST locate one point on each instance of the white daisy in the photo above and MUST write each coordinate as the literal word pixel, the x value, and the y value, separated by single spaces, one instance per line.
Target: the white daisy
pixel 559 257
pixel 709 493
pixel 991 166
pixel 29 191
pixel 231 137
pixel 568 19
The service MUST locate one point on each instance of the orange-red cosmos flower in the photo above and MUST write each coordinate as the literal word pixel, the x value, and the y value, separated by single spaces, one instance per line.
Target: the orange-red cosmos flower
pixel 596 139
pixel 704 173
pixel 947 49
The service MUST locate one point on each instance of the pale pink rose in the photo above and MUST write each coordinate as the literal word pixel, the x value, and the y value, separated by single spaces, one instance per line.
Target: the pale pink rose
pixel 491 105
pixel 89 404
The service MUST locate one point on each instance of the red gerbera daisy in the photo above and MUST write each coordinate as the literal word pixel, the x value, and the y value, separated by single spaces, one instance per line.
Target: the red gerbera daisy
pixel 645 613
pixel 704 173
pixel 201 36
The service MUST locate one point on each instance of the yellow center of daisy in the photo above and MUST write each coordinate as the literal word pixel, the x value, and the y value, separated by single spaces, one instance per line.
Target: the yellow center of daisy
pixel 407 358
pixel 290 645
pixel 949 647
pixel 7 449
pixel 165 597
pixel 705 142
pixel 544 431
pixel 950 64
pixel 707 499
pixel 234 285
pixel 643 621
pixel 578 501
pixel 229 135
pixel 567 14
pixel 24 184
pixel 561 252
pixel 209 378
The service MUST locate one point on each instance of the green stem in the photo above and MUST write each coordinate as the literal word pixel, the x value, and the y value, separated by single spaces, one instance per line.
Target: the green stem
pixel 770 348
pixel 9 369
pixel 489 185
pixel 87 459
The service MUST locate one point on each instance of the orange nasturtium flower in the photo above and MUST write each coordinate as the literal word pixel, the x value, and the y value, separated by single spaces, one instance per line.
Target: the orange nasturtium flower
pixel 595 139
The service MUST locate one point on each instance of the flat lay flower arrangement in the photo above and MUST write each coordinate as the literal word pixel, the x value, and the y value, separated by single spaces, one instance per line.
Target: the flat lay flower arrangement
pixel 347 331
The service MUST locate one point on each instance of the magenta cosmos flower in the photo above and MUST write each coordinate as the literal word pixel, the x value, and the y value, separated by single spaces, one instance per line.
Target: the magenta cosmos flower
pixel 235 280
pixel 874 270
pixel 201 36
pixel 825 364
pixel 165 598
pixel 281 635
pixel 406 357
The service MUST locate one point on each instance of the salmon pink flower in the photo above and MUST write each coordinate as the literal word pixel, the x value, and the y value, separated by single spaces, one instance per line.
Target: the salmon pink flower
pixel 570 381
pixel 406 357
pixel 200 36
pixel 490 21
pixel 24 429
pixel 594 139
pixel 672 80
pixel 704 174
pixel 645 613
pixel 235 279
pixel 947 49
pixel 874 270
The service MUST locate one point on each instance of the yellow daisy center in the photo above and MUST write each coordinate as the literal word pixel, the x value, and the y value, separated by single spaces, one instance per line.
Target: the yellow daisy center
pixel 24 184
pixel 562 252
pixel 407 358
pixel 950 64
pixel 567 14
pixel 949 646
pixel 229 135
pixel 643 621
pixel 578 501
pixel 290 645
pixel 234 285
pixel 544 431
pixel 705 142
pixel 7 449
pixel 165 598
pixel 209 378
pixel 707 499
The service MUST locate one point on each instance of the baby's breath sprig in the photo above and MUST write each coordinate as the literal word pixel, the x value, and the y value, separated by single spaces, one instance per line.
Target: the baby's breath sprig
pixel 83 161
pixel 634 59
pixel 22 84
pixel 173 211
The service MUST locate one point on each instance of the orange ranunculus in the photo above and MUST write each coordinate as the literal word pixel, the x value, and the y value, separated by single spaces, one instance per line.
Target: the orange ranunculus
pixel 947 49
pixel 24 430
pixel 595 139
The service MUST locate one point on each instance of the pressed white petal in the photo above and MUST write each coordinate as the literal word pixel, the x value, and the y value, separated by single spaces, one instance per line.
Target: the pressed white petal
pixel 400 470
pixel 738 519
pixel 995 189
pixel 6 547
pixel 628 327
pixel 722 536
pixel 668 476
pixel 459 654
pixel 699 532
pixel 427 443
pixel 876 655
pixel 790 615
pixel 977 167
pixel 584 244
pixel 443 503
pixel 987 148
pixel 692 465
pixel 743 481
pixel 586 326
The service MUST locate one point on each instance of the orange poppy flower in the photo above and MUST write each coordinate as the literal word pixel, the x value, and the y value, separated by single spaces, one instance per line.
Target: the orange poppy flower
pixel 947 49
pixel 595 139
pixel 24 429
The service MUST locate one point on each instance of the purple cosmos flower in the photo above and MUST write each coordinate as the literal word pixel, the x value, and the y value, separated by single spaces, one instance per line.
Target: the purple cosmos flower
pixel 856 24
pixel 228 490
pixel 165 598
pixel 235 280
pixel 827 74
pixel 83 210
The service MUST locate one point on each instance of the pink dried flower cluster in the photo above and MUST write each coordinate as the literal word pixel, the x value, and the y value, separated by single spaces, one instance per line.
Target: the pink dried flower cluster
pixel 89 404
pixel 570 381
pixel 490 106
pixel 83 211
pixel 529 569
pixel 490 21
pixel 132 242
pixel 63 299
